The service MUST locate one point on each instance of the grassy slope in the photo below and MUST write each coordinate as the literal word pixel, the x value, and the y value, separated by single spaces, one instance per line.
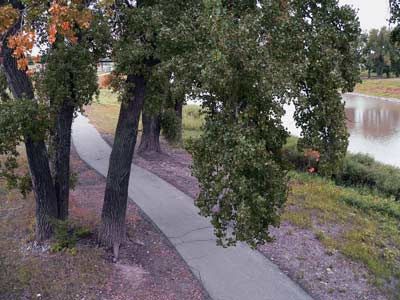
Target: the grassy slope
pixel 359 226
pixel 389 88
pixel 345 220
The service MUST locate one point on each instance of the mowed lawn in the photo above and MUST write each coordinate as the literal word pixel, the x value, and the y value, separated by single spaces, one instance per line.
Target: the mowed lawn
pixel 389 88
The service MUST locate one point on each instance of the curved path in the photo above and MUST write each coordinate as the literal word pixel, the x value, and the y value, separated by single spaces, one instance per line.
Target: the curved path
pixel 237 273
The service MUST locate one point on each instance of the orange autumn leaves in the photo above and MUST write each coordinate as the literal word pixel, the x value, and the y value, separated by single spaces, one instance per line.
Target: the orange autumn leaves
pixel 22 43
pixel 8 15
pixel 64 18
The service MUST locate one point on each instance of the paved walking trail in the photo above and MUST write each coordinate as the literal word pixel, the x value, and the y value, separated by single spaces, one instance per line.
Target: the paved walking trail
pixel 236 273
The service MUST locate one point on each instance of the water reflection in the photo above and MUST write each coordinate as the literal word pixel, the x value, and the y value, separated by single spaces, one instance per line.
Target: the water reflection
pixel 373 119
pixel 374 127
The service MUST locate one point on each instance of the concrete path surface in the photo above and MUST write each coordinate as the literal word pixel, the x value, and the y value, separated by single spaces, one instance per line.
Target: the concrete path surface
pixel 237 273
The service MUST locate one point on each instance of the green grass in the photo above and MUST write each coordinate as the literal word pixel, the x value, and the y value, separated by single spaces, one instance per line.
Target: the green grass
pixel 104 112
pixel 365 226
pixel 389 88
pixel 107 97
pixel 192 121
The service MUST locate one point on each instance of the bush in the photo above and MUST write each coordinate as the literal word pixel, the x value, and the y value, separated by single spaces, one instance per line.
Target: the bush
pixel 361 170
pixel 306 161
pixel 66 236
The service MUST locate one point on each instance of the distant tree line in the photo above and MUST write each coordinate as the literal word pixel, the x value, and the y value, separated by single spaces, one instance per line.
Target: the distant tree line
pixel 379 53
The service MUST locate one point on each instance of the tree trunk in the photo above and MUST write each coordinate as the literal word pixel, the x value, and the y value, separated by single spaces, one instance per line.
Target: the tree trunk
pixel 46 204
pixel 179 114
pixel 112 231
pixel 62 150
pixel 369 73
pixel 150 140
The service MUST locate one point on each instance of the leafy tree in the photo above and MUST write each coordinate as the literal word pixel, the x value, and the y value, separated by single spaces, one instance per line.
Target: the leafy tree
pixel 394 19
pixel 256 56
pixel 23 124
pixel 330 52
pixel 367 57
pixel 149 35
pixel 378 52
pixel 163 111
pixel 67 82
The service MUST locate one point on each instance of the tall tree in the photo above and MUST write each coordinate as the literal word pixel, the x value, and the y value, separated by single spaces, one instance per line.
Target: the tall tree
pixel 147 38
pixel 22 90
pixel 367 58
pixel 319 108
pixel 248 73
pixel 378 52
pixel 67 82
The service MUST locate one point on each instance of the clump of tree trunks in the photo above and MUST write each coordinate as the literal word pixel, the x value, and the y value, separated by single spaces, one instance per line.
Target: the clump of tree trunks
pixel 42 113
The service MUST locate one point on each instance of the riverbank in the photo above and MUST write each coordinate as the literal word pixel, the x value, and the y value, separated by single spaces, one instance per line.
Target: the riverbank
pixel 387 88
pixel 332 247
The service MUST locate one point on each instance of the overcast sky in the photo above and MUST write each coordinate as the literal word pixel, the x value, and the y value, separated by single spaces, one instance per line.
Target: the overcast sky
pixel 372 13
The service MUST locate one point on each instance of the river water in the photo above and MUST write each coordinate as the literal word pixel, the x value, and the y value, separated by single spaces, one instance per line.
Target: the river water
pixel 374 127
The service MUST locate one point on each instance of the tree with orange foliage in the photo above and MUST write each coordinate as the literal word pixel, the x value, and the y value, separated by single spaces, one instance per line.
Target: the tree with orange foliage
pixel 68 81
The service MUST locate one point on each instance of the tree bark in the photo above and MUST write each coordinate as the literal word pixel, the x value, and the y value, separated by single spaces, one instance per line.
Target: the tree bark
pixel 62 151
pixel 150 140
pixel 45 196
pixel 112 231
pixel 38 159
pixel 179 115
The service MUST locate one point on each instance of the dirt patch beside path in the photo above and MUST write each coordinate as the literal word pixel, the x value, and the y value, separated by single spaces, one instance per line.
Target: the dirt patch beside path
pixel 149 267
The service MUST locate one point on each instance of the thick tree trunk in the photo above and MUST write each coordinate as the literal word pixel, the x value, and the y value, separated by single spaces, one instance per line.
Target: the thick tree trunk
pixel 62 150
pixel 46 205
pixel 179 115
pixel 150 140
pixel 112 231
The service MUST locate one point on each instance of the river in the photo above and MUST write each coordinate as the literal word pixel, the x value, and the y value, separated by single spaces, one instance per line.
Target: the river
pixel 374 127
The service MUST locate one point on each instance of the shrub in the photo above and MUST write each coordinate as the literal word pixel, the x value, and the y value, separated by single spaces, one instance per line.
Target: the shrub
pixel 66 236
pixel 306 161
pixel 361 170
